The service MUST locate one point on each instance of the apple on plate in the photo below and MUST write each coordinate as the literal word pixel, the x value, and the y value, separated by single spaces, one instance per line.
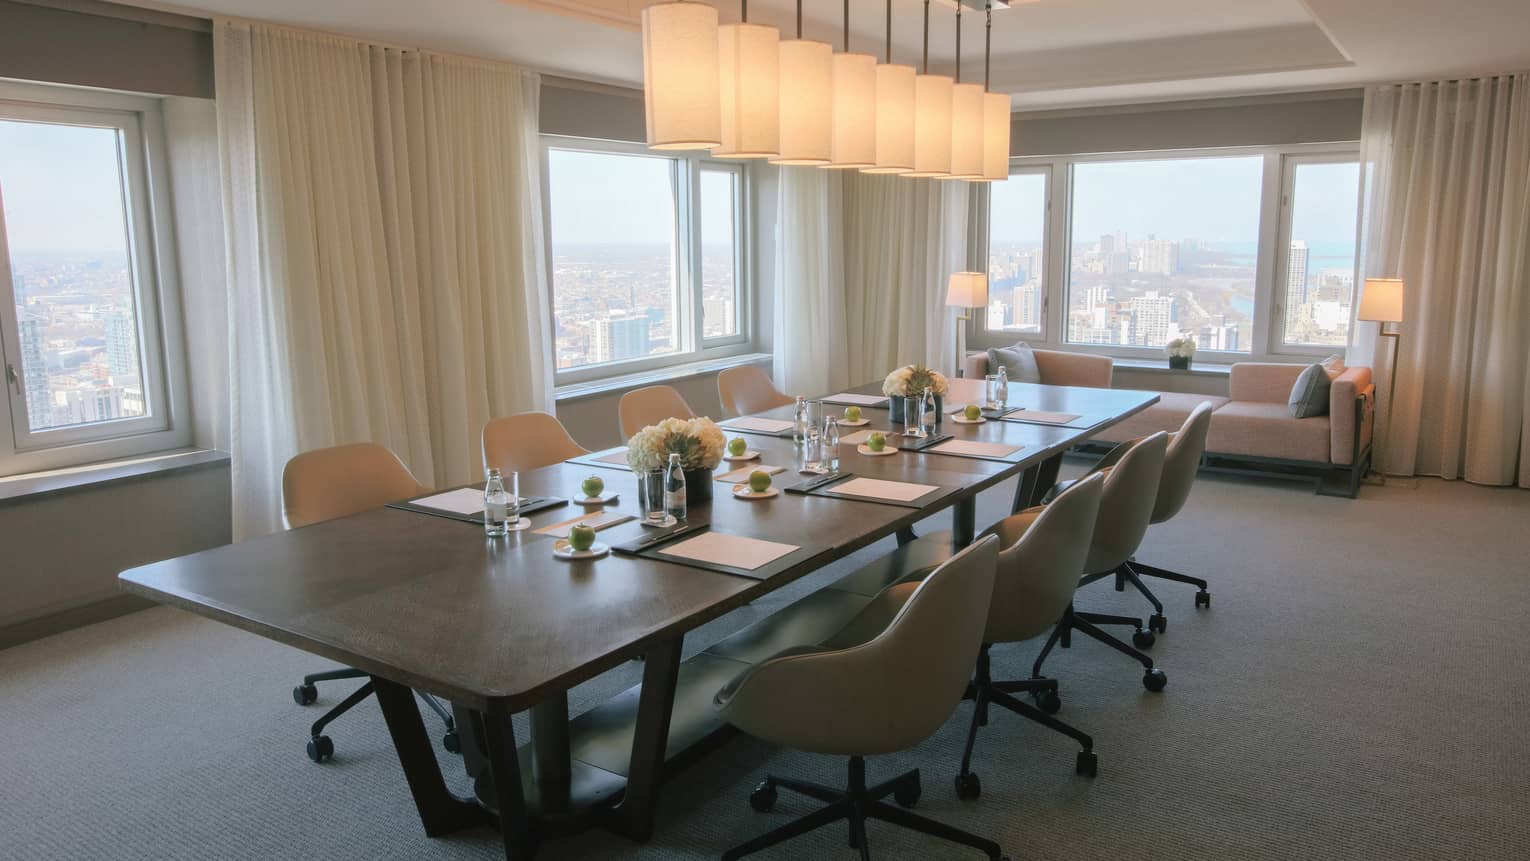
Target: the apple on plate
pixel 592 486
pixel 759 481
pixel 877 441
pixel 581 537
pixel 737 446
pixel 972 412
pixel 852 414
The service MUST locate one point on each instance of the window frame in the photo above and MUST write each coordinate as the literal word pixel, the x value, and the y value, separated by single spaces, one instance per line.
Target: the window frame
pixel 686 172
pixel 1276 332
pixel 151 246
pixel 980 320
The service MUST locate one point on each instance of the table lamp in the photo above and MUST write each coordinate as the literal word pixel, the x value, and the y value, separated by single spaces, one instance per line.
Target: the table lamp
pixel 966 290
pixel 1382 302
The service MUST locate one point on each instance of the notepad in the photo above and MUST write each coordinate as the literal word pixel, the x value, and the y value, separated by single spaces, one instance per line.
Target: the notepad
pixel 754 423
pixel 597 521
pixel 463 500
pixel 742 473
pixel 1042 417
pixel 875 488
pixel 970 448
pixel 734 551
pixel 858 400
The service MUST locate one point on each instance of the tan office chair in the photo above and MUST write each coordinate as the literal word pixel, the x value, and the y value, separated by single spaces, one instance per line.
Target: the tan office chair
pixel 649 405
pixel 326 484
pixel 747 389
pixel 527 441
pixel 880 696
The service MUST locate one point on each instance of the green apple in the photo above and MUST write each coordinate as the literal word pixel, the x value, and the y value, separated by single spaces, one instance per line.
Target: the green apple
pixel 972 412
pixel 737 446
pixel 759 481
pixel 581 537
pixel 852 414
pixel 877 441
pixel 592 486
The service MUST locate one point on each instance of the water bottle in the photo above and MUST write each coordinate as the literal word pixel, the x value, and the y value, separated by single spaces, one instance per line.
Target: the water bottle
pixel 812 450
pixel 674 489
pixel 1003 387
pixel 799 421
pixel 829 439
pixel 496 506
pixel 926 402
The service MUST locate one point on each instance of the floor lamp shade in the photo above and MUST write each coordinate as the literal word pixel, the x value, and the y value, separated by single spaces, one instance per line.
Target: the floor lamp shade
pixel 996 129
pixel 680 76
pixel 854 136
pixel 967 290
pixel 932 125
pixel 967 131
pixel 895 120
pixel 1382 300
pixel 749 81
pixel 807 87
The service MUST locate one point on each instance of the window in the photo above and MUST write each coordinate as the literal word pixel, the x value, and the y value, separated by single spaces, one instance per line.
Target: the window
pixel 1318 263
pixel 646 258
pixel 80 310
pixel 1017 254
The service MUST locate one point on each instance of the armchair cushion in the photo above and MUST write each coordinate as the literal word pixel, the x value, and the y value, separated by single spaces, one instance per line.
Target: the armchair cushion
pixel 1309 395
pixel 1353 384
pixel 1267 430
pixel 1262 382
pixel 1018 360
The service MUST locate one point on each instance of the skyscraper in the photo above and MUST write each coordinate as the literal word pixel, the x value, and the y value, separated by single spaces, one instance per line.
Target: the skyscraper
pixel 1160 256
pixel 620 335
pixel 1027 304
pixel 1150 319
pixel 1296 274
pixel 121 346
pixel 34 371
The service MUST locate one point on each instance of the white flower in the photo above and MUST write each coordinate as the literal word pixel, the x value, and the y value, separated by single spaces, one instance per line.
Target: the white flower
pixel 1181 347
pixel 699 442
pixel 911 380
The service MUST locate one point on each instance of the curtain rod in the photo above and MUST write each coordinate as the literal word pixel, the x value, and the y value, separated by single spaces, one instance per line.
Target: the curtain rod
pixel 102 9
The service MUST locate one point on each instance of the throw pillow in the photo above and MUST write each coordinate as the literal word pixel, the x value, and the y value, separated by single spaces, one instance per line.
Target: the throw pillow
pixel 1334 366
pixel 1019 361
pixel 1309 397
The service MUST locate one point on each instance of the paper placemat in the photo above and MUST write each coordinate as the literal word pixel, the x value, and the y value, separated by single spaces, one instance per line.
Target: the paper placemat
pixel 755 424
pixel 597 521
pixel 730 551
pixel 457 500
pixel 463 500
pixel 857 400
pixel 1041 417
pixel 887 491
pixel 742 473
pixel 972 448
pixel 861 436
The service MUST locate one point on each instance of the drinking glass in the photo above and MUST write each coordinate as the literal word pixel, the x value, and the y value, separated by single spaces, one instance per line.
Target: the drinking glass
pixel 513 508
pixel 815 414
pixel 651 496
pixel 812 450
pixel 991 391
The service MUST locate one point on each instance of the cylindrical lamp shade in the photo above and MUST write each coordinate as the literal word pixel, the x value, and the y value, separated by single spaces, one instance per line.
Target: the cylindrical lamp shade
pixel 680 95
pixel 996 122
pixel 749 82
pixel 932 125
pixel 966 132
pixel 854 136
pixel 967 290
pixel 895 120
pixel 807 81
pixel 1382 300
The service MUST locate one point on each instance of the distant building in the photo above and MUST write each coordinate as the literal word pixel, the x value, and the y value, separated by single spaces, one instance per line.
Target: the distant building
pixel 1160 256
pixel 998 314
pixel 717 316
pixel 34 371
pixel 121 346
pixel 1027 305
pixel 620 335
pixel 1296 274
pixel 1150 319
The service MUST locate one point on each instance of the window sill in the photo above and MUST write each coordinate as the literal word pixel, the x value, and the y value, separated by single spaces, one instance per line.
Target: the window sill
pixel 37 485
pixel 670 374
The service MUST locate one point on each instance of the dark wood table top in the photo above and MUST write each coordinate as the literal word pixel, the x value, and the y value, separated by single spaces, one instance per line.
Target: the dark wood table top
pixel 498 624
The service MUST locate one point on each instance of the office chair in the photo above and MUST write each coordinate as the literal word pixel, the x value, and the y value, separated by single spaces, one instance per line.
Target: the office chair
pixel 861 699
pixel 335 482
pixel 650 405
pixel 748 389
pixel 527 441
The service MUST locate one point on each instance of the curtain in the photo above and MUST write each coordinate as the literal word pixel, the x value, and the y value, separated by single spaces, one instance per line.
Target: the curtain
pixel 382 222
pixel 862 265
pixel 1447 166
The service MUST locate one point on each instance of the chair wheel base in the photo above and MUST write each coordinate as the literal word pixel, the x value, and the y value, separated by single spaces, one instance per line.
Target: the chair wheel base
pixel 968 787
pixel 452 742
pixel 1049 702
pixel 1087 764
pixel 1157 623
pixel 1144 639
pixel 320 748
pixel 763 798
pixel 1203 599
pixel 305 695
pixel 1155 679
pixel 907 794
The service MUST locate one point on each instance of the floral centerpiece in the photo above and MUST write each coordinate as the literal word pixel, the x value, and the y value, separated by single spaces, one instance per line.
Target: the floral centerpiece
pixel 1180 350
pixel 909 382
pixel 699 442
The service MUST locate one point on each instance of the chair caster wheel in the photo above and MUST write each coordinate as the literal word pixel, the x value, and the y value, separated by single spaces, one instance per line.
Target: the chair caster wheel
pixel 907 794
pixel 452 742
pixel 1158 623
pixel 1203 598
pixel 1144 639
pixel 1087 764
pixel 320 748
pixel 304 695
pixel 1154 680
pixel 763 798
pixel 968 787
pixel 1049 702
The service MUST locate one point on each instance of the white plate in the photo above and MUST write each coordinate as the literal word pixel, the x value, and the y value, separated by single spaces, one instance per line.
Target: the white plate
pixel 563 550
pixel 869 453
pixel 742 491
pixel 846 423
pixel 749 454
pixel 966 421
pixel 603 499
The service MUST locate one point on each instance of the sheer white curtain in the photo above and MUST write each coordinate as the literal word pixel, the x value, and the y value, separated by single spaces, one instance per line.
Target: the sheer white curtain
pixel 1448 211
pixel 862 266
pixel 384 240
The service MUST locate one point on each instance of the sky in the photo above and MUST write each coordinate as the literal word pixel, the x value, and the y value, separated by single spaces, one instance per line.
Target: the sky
pixel 62 188
pixel 608 198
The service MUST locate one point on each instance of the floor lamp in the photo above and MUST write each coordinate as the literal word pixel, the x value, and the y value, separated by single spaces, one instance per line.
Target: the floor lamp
pixel 966 290
pixel 1382 303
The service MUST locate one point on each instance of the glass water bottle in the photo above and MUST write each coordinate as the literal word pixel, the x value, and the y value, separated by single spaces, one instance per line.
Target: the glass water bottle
pixel 496 505
pixel 799 421
pixel 1002 388
pixel 674 488
pixel 829 440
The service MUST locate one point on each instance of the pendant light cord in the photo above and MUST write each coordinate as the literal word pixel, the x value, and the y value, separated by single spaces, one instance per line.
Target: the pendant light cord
pixel 887 51
pixel 847 26
pixel 743 6
pixel 987 45
pixel 958 41
pixel 926 69
pixel 799 19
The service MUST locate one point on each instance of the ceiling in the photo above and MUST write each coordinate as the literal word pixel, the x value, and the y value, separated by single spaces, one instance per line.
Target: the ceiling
pixel 1046 53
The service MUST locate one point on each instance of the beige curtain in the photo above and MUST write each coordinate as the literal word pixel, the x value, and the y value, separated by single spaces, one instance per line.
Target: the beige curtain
pixel 1448 211
pixel 384 241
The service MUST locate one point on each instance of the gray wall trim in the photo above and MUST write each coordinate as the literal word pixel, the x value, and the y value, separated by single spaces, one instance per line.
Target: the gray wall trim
pixel 130 52
pixel 68 620
pixel 587 110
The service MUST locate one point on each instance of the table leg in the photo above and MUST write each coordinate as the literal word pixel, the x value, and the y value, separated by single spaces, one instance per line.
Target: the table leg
pixel 515 826
pixel 1046 477
pixel 964 522
pixel 1025 491
pixel 551 761
pixel 441 812
pixel 633 815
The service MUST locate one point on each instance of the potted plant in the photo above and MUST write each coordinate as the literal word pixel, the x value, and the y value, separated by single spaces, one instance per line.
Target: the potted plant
pixel 1180 351
pixel 905 384
pixel 699 442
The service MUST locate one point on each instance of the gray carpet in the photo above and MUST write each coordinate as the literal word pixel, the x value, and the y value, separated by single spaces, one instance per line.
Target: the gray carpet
pixel 1358 690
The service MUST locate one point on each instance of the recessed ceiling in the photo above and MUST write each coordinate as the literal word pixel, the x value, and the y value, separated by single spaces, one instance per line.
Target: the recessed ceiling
pixel 1046 53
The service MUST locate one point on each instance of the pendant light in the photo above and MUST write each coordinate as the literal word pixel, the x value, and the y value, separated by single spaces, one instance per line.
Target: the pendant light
pixel 932 116
pixel 680 74
pixel 807 82
pixel 749 81
pixel 966 119
pixel 996 118
pixel 894 112
pixel 853 139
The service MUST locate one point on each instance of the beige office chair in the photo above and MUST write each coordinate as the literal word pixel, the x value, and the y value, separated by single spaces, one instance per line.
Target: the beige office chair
pixel 326 484
pixel 527 441
pixel 649 405
pixel 883 695
pixel 1126 504
pixel 747 389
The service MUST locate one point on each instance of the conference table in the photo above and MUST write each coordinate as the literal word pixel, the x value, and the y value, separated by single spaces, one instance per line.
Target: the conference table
pixel 499 626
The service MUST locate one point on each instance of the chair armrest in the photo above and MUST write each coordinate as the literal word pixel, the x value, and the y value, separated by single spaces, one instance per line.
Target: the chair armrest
pixel 975 365
pixel 1351 407
pixel 1060 368
pixel 1262 382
